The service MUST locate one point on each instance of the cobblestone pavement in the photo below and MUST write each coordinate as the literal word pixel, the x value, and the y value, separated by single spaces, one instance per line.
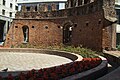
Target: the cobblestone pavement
pixel 16 61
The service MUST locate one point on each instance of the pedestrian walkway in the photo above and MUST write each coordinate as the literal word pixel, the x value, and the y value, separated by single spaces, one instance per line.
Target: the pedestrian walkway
pixel 114 53
pixel 17 61
pixel 114 75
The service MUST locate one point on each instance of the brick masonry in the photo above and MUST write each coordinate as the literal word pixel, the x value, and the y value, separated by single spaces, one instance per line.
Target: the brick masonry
pixel 92 26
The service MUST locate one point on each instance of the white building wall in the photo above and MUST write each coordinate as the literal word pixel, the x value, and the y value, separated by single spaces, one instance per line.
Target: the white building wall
pixel 117 2
pixel 6 17
pixel 7 8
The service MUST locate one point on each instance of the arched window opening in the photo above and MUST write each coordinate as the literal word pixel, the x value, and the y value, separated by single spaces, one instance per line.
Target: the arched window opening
pixel 67 34
pixel 72 2
pixel 35 8
pixel 28 8
pixel 25 33
pixel 79 2
pixel 86 1
pixel 49 8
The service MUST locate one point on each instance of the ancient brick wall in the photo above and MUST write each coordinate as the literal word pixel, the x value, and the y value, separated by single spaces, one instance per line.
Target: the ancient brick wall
pixel 42 7
pixel 89 34
pixel 91 26
pixel 41 32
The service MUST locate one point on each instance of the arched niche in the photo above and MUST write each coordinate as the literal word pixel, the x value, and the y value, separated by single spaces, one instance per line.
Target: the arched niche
pixel 25 30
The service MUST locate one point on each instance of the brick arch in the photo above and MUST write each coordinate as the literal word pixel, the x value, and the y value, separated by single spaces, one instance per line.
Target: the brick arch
pixel 66 22
pixel 67 32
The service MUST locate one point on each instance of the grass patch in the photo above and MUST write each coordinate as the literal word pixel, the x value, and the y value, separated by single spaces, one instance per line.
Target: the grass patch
pixel 80 50
pixel 86 53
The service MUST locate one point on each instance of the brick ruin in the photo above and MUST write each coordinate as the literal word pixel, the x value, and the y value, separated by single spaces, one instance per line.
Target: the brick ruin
pixel 90 23
pixel 42 7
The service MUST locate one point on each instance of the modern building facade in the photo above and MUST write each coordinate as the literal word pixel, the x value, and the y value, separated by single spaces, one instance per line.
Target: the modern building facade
pixel 117 7
pixel 42 5
pixel 8 9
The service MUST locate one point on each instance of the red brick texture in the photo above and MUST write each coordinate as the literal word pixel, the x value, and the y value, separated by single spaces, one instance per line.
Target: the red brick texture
pixel 92 29
pixel 44 32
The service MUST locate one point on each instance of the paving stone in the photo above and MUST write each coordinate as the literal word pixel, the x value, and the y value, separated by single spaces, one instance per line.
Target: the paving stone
pixel 16 61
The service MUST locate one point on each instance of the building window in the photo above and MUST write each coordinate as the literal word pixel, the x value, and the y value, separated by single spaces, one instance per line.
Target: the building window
pixel 86 1
pixel 118 39
pixel 3 12
pixel 67 33
pixel 10 14
pixel 28 8
pixel 72 3
pixel 49 8
pixel 35 8
pixel 3 2
pixel 8 26
pixel 16 7
pixel 11 5
pixel 58 7
pixel 79 2
pixel 118 16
